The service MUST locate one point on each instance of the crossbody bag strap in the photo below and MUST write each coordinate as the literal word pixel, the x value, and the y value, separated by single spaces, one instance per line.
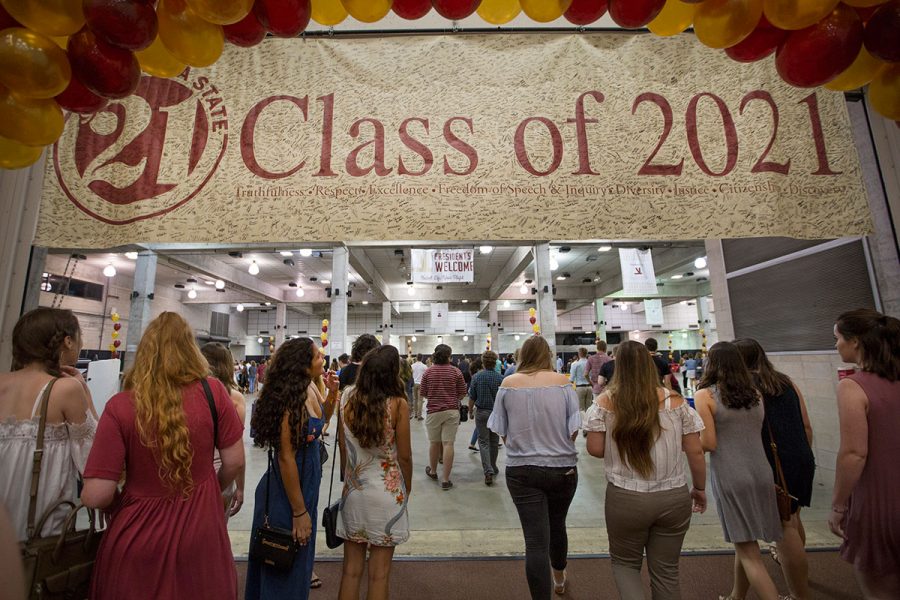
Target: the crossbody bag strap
pixel 38 458
pixel 212 410
pixel 778 471
pixel 337 454
pixel 272 466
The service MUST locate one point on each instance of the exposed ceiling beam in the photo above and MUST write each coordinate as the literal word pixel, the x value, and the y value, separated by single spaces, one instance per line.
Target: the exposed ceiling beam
pixel 517 263
pixel 363 265
pixel 671 259
pixel 211 267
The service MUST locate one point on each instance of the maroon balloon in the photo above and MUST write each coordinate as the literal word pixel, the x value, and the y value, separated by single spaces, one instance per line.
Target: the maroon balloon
pixel 882 37
pixel 814 56
pixel 77 98
pixel 245 33
pixel 759 44
pixel 411 9
pixel 633 14
pixel 129 24
pixel 585 12
pixel 104 69
pixel 283 18
pixel 7 20
pixel 117 343
pixel 455 9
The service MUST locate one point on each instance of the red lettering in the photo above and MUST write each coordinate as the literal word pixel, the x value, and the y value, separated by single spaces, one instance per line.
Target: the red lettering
pixel 522 151
pixel 327 136
pixel 584 159
pixel 249 129
pixel 417 147
pixel 762 165
pixel 812 104
pixel 457 144
pixel 352 162
pixel 731 140
pixel 648 168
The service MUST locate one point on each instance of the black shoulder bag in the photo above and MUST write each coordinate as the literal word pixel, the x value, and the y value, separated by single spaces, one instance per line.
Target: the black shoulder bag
pixel 275 546
pixel 332 512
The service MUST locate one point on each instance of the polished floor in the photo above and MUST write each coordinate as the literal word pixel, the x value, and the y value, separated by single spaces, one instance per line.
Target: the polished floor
pixel 475 520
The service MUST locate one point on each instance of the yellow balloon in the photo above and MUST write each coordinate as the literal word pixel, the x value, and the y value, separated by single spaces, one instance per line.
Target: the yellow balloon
pixel 50 17
pixel 368 11
pixel 328 12
pixel 158 61
pixel 499 12
pixel 61 40
pixel 675 17
pixel 884 93
pixel 31 65
pixel 797 14
pixel 221 12
pixel 30 121
pixel 544 11
pixel 863 70
pixel 114 335
pixel 186 36
pixel 114 317
pixel 724 23
pixel 864 3
pixel 14 155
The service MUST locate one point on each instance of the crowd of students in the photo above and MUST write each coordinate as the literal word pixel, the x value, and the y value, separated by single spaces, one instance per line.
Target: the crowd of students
pixel 165 461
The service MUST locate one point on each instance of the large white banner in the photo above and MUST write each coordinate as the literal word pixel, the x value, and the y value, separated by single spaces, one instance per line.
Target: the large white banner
pixel 653 311
pixel 638 277
pixel 443 265
pixel 440 316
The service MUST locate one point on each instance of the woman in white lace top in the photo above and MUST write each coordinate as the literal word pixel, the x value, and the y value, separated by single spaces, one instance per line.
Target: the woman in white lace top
pixel 46 344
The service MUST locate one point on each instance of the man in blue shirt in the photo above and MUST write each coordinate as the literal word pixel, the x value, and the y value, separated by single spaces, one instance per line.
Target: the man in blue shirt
pixel 482 394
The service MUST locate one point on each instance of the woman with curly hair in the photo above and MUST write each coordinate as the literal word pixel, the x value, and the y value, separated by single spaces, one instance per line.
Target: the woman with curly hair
pixel 287 420
pixel 167 536
pixel 740 477
pixel 377 457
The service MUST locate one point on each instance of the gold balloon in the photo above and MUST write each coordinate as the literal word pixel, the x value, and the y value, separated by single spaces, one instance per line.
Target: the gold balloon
pixel 221 12
pixel 864 3
pixel 884 93
pixel 797 14
pixel 499 12
pixel 328 12
pixel 32 65
pixel 158 61
pixel 544 11
pixel 61 40
pixel 368 11
pixel 675 17
pixel 724 23
pixel 186 36
pixel 50 17
pixel 863 70
pixel 30 121
pixel 14 155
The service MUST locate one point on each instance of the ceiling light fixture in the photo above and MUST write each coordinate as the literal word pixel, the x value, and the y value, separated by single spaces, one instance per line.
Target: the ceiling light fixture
pixel 254 268
pixel 268 304
pixel 306 252
pixel 518 337
pixel 208 282
pixel 700 263
pixel 131 255
pixel 300 293
pixel 553 264
pixel 464 301
pixel 465 338
pixel 623 306
pixel 676 276
pixel 239 308
pixel 326 281
pixel 286 253
pixel 604 248
pixel 365 302
pixel 417 305
pixel 192 293
pixel 410 290
pixel 506 304
pixel 109 271
pixel 220 285
pixel 414 338
pixel 259 340
pixel 485 249
pixel 523 289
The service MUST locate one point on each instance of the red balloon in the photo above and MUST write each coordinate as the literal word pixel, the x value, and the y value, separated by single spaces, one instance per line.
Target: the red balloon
pixel 814 56
pixel 245 33
pixel 882 37
pixel 77 98
pixel 759 44
pixel 283 18
pixel 632 14
pixel 585 12
pixel 117 326
pixel 104 69
pixel 455 9
pixel 411 9
pixel 324 343
pixel 117 343
pixel 324 328
pixel 130 24
pixel 532 320
pixel 6 19
pixel 866 12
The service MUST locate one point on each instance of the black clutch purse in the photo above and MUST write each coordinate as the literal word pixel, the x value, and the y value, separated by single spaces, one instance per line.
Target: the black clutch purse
pixel 463 414
pixel 274 546
pixel 332 512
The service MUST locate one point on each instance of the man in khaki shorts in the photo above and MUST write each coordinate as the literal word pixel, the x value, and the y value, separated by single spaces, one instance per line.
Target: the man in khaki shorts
pixel 444 386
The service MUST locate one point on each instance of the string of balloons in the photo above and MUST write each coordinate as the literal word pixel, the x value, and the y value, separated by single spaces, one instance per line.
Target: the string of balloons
pixel 77 55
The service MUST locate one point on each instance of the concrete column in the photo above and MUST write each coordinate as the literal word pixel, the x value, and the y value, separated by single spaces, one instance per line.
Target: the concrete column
pixel 718 283
pixel 337 328
pixel 493 320
pixel 546 307
pixel 140 312
pixel 386 325
pixel 35 277
pixel 281 324
pixel 600 317
pixel 19 205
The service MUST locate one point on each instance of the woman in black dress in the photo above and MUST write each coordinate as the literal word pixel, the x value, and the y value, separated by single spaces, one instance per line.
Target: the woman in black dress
pixel 786 415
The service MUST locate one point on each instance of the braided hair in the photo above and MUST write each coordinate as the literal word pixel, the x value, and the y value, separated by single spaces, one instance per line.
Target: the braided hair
pixel 39 337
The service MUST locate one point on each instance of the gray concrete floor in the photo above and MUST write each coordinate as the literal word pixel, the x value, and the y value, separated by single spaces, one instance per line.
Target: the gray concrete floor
pixel 473 519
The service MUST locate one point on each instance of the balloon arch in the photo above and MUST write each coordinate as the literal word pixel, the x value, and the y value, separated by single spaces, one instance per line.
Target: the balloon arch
pixel 76 55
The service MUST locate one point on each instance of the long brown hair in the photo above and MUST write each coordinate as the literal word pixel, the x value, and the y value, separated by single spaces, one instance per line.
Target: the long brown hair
pixel 167 360
pixel 878 336
pixel 635 401
pixel 221 363
pixel 377 381
pixel 535 356
pixel 768 381
pixel 39 335
pixel 726 370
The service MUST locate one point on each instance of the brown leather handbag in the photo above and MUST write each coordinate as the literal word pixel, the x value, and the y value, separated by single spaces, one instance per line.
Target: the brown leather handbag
pixel 57 566
pixel 782 496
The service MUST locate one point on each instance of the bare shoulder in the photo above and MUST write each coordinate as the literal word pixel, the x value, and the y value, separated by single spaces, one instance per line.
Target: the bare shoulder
pixel 603 401
pixel 849 389
pixel 675 400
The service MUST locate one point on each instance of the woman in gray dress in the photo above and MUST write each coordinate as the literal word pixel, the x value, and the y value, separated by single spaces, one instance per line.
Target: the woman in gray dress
pixel 740 476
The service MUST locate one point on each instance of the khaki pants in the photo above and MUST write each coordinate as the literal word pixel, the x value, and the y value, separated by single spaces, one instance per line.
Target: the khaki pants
pixel 585 396
pixel 442 426
pixel 655 521
pixel 417 401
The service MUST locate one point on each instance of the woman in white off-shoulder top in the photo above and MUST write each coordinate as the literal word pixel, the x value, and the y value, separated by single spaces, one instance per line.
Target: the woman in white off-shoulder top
pixel 46 344
pixel 642 431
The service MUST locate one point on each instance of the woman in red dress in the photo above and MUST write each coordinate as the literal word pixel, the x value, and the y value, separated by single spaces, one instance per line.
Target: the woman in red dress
pixel 167 536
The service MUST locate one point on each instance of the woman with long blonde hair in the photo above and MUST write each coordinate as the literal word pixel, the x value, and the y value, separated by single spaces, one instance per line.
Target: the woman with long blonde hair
pixel 167 536
pixel 641 429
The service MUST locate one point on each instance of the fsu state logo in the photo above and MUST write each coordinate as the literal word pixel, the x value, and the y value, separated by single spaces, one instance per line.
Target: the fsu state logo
pixel 133 160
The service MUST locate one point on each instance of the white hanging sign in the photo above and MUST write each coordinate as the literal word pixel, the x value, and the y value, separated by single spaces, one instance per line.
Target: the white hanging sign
pixel 638 277
pixel 443 265
pixel 653 311
pixel 440 316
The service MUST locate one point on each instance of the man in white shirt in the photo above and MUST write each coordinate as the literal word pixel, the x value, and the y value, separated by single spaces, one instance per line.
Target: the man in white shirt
pixel 559 363
pixel 418 370
pixel 578 376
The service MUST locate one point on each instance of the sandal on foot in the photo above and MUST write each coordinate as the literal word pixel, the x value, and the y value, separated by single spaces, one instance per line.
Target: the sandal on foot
pixel 773 550
pixel 446 485
pixel 430 473
pixel 315 583
pixel 560 588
